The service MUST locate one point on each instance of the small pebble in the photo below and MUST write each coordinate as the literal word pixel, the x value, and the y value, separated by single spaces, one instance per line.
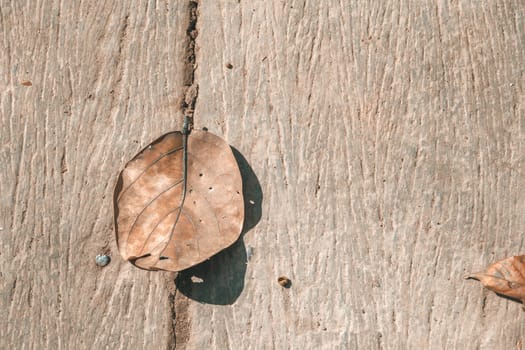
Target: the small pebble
pixel 284 282
pixel 196 279
pixel 102 260
pixel 249 252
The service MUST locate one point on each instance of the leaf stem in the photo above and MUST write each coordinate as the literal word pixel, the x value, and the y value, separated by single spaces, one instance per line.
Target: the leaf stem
pixel 187 126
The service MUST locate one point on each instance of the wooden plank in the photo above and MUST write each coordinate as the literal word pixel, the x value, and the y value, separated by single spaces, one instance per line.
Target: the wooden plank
pixel 386 142
pixel 387 138
pixel 107 78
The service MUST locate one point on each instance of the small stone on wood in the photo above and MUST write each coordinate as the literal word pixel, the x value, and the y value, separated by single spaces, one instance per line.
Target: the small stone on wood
pixel 102 260
pixel 284 282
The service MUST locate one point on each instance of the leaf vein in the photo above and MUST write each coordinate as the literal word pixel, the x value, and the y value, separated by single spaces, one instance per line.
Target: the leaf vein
pixel 147 205
pixel 174 150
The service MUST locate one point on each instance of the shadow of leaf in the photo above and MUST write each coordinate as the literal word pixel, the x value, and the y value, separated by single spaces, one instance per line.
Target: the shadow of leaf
pixel 220 279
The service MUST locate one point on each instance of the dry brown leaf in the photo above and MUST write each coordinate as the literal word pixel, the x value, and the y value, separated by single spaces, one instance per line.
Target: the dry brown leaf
pixel 165 223
pixel 505 277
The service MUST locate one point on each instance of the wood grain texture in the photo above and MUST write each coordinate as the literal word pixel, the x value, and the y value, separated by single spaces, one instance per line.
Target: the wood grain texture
pixel 388 140
pixel 107 79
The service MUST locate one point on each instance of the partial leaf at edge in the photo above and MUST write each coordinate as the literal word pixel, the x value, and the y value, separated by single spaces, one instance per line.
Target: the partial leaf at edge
pixel 505 277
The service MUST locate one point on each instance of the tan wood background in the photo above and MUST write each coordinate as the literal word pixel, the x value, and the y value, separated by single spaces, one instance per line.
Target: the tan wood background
pixel 381 144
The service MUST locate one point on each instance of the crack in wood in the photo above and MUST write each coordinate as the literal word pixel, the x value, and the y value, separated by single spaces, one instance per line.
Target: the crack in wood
pixel 171 298
pixel 191 87
pixel 179 306
pixel 182 320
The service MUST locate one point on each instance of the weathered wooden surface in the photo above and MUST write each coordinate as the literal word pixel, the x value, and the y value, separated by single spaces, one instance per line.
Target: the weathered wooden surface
pixel 106 80
pixel 387 139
